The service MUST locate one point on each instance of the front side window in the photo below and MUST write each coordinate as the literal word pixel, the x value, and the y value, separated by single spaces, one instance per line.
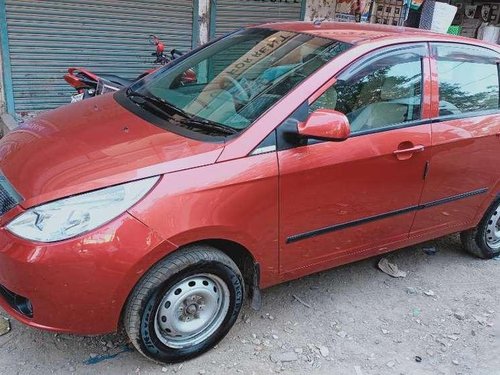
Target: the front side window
pixel 468 79
pixel 235 80
pixel 384 91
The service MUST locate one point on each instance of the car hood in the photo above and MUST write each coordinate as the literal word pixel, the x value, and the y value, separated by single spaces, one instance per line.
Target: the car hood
pixel 90 145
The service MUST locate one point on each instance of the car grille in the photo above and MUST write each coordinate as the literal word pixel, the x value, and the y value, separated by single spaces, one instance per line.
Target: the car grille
pixel 9 198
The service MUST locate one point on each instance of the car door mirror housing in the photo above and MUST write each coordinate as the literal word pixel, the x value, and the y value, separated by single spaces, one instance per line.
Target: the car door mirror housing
pixel 325 125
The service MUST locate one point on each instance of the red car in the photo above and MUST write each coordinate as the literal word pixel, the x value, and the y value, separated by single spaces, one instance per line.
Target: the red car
pixel 300 147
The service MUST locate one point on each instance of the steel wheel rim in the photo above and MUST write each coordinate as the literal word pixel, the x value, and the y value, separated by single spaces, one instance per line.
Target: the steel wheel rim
pixel 191 311
pixel 492 235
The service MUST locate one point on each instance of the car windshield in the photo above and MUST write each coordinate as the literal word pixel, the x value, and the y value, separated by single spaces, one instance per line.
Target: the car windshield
pixel 230 83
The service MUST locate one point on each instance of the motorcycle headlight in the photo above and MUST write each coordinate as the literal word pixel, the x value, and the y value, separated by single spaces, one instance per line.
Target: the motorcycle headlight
pixel 72 216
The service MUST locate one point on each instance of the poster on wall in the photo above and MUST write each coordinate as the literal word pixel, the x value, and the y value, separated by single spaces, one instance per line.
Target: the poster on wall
pixel 345 10
pixel 470 11
pixel 494 13
pixel 389 12
pixel 459 15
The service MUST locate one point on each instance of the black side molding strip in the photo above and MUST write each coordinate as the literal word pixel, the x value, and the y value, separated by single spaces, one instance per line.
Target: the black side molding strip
pixel 350 224
pixel 453 198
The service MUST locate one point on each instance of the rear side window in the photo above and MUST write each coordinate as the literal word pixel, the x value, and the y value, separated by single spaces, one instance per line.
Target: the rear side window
pixel 468 79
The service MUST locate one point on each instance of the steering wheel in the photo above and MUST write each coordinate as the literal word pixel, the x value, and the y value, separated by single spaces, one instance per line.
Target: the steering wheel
pixel 243 94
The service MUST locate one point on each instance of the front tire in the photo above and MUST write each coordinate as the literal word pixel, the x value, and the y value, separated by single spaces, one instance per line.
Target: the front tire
pixel 184 305
pixel 484 240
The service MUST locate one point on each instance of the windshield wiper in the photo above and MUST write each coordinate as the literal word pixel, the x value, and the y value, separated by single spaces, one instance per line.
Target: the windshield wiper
pixel 152 103
pixel 165 109
pixel 159 102
pixel 209 125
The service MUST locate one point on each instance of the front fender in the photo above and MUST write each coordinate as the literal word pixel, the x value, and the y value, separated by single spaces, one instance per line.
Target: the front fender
pixel 235 200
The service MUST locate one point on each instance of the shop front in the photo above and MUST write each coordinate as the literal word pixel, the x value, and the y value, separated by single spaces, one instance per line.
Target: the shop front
pixel 477 19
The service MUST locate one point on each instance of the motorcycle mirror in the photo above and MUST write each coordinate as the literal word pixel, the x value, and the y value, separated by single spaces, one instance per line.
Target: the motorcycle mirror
pixel 153 39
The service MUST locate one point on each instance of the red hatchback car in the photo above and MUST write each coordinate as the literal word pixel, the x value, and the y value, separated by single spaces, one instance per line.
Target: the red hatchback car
pixel 299 148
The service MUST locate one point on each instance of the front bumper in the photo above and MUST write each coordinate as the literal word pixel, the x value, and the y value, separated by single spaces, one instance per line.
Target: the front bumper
pixel 78 285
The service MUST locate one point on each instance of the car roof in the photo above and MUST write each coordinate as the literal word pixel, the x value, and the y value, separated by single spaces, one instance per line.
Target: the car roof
pixel 362 33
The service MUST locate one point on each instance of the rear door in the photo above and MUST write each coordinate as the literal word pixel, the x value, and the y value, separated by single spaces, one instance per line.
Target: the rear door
pixel 343 200
pixel 465 160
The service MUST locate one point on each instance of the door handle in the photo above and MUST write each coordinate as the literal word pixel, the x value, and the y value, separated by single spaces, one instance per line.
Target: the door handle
pixel 410 150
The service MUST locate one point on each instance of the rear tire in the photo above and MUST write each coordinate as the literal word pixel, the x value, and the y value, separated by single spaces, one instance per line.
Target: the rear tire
pixel 484 240
pixel 184 305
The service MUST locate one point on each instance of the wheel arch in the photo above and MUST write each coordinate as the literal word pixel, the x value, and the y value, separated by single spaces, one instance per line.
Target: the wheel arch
pixel 492 197
pixel 240 255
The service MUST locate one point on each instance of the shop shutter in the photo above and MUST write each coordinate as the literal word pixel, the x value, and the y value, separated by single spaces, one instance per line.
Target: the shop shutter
pixel 233 14
pixel 46 37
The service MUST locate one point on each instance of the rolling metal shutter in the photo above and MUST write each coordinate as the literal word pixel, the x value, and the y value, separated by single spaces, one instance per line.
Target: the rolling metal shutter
pixel 233 14
pixel 46 37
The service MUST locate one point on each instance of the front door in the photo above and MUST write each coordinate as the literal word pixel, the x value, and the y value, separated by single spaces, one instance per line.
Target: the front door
pixel 342 199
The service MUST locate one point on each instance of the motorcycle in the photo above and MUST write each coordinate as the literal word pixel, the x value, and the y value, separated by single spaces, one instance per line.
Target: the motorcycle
pixel 88 84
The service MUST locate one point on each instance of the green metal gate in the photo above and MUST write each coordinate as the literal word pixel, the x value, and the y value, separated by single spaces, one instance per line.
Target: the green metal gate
pixel 233 14
pixel 45 37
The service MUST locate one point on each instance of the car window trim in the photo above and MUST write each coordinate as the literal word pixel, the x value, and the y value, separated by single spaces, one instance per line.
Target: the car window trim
pixel 399 125
pixel 362 61
pixel 465 115
pixel 269 144
pixel 263 150
pixel 434 43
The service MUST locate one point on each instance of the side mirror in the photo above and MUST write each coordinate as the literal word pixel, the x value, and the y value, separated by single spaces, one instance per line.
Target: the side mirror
pixel 325 125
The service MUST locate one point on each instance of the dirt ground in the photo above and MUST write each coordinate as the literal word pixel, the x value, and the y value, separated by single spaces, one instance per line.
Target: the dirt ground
pixel 442 318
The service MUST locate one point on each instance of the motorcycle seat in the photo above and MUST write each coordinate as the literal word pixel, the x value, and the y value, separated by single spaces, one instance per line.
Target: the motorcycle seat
pixel 116 79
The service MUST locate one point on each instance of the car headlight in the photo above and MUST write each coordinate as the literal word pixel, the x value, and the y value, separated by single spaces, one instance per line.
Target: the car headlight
pixel 70 217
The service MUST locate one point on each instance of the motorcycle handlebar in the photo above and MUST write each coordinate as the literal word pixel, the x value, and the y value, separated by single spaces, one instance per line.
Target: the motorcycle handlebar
pixel 176 52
